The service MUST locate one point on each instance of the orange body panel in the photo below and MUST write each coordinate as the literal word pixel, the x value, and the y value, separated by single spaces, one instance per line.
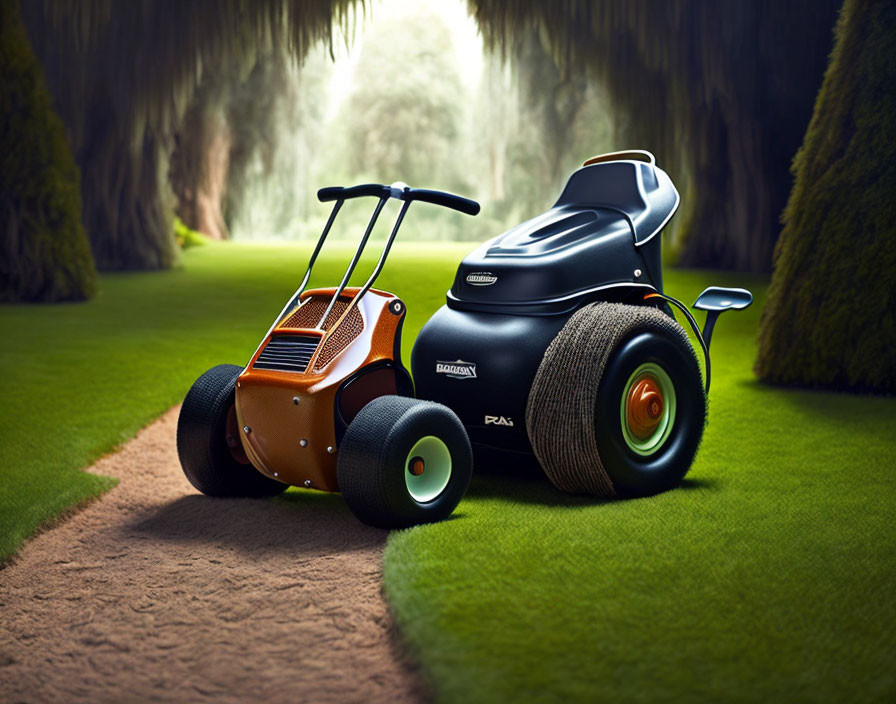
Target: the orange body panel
pixel 290 415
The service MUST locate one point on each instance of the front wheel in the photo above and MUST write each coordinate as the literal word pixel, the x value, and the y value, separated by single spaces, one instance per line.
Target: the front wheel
pixel 208 443
pixel 403 462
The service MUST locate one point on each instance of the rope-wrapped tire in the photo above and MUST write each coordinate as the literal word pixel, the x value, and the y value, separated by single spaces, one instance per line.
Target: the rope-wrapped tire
pixel 617 407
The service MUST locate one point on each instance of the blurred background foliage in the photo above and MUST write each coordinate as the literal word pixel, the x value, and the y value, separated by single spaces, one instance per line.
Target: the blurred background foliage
pixel 397 103
pixel 44 253
pixel 229 115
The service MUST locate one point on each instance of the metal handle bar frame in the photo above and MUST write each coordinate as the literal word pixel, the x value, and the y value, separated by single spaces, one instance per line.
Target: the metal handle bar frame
pixel 398 190
pixel 370 280
pixel 340 195
pixel 365 189
pixel 402 192
pixel 294 299
pixel 353 263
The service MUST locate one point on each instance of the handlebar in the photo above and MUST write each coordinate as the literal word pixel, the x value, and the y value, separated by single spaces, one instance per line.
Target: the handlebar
pixel 447 200
pixel 402 192
pixel 366 189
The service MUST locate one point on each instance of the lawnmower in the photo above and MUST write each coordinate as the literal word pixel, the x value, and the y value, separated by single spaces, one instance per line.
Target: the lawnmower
pixel 556 345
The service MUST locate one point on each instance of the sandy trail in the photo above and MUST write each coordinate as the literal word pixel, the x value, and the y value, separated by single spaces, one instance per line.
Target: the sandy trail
pixel 155 593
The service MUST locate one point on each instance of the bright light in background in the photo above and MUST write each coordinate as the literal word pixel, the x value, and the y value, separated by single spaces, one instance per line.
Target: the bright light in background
pixel 464 34
pixel 412 95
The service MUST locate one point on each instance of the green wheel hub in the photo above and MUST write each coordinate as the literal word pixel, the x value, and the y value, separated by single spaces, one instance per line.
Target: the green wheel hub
pixel 647 409
pixel 427 469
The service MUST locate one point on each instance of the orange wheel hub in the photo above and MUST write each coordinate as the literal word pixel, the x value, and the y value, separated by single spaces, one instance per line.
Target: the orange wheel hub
pixel 416 466
pixel 644 407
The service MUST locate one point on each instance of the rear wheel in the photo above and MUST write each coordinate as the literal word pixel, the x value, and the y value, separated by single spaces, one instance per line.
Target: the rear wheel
pixel 403 462
pixel 650 412
pixel 208 442
pixel 617 406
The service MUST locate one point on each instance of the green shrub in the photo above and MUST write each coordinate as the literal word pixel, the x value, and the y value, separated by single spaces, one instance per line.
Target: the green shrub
pixel 185 237
pixel 829 320
pixel 44 254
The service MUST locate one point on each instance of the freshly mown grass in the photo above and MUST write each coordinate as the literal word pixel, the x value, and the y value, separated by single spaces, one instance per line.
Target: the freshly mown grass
pixel 82 378
pixel 768 576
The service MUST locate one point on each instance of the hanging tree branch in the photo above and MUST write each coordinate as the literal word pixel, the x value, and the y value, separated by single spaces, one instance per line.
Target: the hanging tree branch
pixel 721 91
pixel 122 74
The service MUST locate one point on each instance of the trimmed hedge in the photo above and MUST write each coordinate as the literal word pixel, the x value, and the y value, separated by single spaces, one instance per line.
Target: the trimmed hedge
pixel 44 253
pixel 830 319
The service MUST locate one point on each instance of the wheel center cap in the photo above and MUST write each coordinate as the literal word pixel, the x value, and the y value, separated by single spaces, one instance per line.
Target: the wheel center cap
pixel 644 407
pixel 416 466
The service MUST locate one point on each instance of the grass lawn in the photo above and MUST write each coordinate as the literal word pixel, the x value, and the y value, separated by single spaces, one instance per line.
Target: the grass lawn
pixel 769 575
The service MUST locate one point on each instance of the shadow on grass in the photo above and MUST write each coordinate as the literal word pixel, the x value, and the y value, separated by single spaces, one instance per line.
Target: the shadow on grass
pixel 303 523
pixel 534 490
pixel 840 407
pixel 309 524
pixel 527 490
pixel 689 484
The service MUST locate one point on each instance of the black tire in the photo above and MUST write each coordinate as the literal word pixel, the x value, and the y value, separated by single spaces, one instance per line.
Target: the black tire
pixel 374 461
pixel 202 445
pixel 575 417
pixel 634 474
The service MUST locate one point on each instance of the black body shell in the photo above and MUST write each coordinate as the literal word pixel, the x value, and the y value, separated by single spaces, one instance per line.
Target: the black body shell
pixel 602 233
pixel 511 296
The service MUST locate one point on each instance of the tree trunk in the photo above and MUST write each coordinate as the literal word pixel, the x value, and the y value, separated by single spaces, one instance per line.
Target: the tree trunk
pixel 127 202
pixel 121 75
pixel 200 166
pixel 123 158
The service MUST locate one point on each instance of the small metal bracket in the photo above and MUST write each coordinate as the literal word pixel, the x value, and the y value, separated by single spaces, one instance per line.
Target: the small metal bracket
pixel 687 314
pixel 715 300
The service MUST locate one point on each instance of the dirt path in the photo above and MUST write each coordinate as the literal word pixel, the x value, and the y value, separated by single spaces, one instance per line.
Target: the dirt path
pixel 155 593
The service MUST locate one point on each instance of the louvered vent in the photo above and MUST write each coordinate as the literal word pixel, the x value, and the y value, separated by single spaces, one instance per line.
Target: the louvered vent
pixel 287 353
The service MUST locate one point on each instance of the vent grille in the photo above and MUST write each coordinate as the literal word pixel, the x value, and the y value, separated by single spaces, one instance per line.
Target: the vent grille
pixel 340 338
pixel 287 353
pixel 309 313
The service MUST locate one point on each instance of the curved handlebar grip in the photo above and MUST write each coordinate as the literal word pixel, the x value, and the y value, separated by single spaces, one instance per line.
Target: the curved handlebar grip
pixel 340 193
pixel 448 200
pixel 399 190
pixel 329 193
